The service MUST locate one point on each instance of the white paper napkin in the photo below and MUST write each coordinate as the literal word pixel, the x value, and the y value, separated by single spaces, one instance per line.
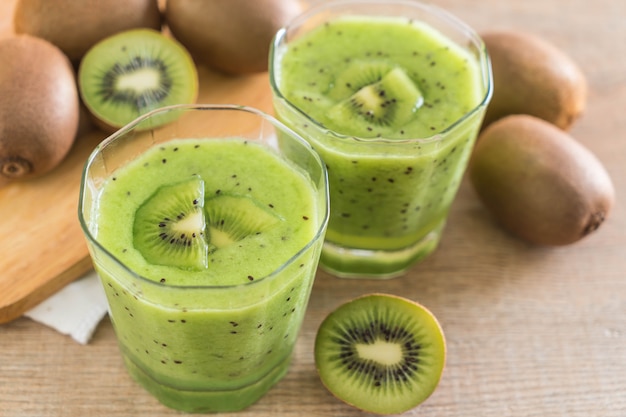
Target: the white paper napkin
pixel 76 310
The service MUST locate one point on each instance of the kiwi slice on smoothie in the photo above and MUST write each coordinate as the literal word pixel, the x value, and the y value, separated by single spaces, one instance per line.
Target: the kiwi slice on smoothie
pixel 231 218
pixel 356 76
pixel 390 101
pixel 380 353
pixel 133 72
pixel 169 227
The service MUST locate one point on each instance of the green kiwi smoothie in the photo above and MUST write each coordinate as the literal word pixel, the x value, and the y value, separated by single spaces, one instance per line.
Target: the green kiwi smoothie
pixel 390 104
pixel 213 232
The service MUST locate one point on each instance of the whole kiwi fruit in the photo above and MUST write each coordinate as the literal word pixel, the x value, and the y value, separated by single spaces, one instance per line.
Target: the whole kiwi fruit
pixel 540 183
pixel 39 107
pixel 532 76
pixel 231 36
pixel 75 25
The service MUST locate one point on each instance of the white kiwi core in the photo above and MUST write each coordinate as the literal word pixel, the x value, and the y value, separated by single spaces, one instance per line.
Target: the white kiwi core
pixel 139 80
pixel 380 351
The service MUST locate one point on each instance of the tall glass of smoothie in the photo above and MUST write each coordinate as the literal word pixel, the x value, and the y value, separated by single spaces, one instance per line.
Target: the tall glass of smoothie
pixel 391 94
pixel 206 235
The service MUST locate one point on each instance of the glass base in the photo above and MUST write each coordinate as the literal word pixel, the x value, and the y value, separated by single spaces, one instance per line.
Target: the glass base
pixel 345 262
pixel 208 401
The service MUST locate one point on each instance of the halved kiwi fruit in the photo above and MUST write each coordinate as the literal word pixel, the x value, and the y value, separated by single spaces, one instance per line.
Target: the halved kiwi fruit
pixel 380 353
pixel 133 72
pixel 169 227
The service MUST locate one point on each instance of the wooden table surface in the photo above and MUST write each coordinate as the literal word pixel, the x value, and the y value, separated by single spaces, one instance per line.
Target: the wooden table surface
pixel 531 331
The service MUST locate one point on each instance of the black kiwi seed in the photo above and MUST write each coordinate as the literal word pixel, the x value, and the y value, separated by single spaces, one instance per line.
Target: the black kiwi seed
pixel 380 353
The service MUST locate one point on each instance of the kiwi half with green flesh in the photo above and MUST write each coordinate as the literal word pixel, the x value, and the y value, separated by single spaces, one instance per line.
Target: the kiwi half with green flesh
pixel 177 226
pixel 380 353
pixel 391 100
pixel 133 72
pixel 169 228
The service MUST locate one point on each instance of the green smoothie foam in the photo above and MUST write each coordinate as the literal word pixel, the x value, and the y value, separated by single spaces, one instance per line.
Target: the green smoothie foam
pixel 224 332
pixel 362 90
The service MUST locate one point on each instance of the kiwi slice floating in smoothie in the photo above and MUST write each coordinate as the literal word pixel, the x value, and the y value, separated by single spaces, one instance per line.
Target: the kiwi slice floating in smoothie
pixel 231 218
pixel 380 353
pixel 169 227
pixel 128 74
pixel 390 101
pixel 356 76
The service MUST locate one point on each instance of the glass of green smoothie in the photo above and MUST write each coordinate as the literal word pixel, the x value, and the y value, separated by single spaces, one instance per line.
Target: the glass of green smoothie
pixel 206 234
pixel 391 94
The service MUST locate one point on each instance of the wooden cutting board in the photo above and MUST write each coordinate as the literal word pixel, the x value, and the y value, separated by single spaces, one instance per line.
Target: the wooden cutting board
pixel 41 241
pixel 42 247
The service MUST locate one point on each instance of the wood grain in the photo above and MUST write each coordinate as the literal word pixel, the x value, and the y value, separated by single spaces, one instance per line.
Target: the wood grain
pixel 42 244
pixel 531 331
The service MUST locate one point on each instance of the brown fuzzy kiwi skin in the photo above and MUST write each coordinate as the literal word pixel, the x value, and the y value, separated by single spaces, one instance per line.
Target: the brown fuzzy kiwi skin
pixel 76 25
pixel 39 107
pixel 540 183
pixel 532 76
pixel 231 36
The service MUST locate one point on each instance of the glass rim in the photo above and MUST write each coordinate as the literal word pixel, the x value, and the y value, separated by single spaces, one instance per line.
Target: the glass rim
pixel 445 16
pixel 205 107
